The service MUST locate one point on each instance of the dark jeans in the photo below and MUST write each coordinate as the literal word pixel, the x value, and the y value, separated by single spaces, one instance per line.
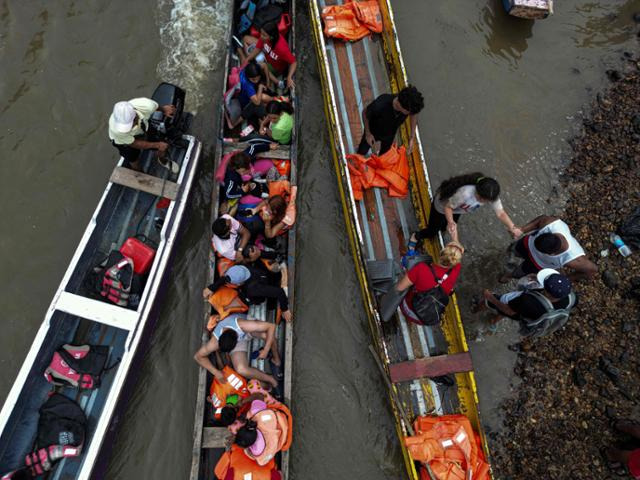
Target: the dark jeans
pixel 437 223
pixel 385 144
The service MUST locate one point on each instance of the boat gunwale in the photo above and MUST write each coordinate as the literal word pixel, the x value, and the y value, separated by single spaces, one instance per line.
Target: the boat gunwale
pixel 156 275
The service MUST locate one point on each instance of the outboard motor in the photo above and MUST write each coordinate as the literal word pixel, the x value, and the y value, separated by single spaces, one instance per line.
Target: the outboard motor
pixel 162 128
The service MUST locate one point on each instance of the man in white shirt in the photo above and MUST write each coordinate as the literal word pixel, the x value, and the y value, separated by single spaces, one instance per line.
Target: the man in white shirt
pixel 128 125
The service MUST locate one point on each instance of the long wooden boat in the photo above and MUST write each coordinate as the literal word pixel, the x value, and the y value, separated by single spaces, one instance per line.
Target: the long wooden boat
pixel 354 74
pixel 210 442
pixel 77 315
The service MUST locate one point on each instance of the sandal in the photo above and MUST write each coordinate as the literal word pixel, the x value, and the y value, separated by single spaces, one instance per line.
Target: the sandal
pixel 276 370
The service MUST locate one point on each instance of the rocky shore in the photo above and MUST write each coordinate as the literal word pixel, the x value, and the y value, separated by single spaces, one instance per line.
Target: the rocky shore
pixel 579 379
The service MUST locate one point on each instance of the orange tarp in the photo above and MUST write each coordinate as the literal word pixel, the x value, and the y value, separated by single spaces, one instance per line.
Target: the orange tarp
pixel 450 447
pixel 353 20
pixel 390 170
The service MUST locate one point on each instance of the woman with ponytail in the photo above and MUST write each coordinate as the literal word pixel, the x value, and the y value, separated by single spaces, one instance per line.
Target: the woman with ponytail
pixel 463 194
pixel 278 122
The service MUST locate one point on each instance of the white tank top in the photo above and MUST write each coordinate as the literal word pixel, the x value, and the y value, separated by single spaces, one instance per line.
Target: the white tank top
pixel 555 261
pixel 231 322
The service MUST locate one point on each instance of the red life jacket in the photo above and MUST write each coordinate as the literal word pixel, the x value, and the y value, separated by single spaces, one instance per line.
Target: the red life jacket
pixel 79 366
pixel 117 280
pixel 42 460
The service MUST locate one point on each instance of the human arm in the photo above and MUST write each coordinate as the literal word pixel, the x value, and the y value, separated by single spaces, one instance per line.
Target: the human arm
pixel 537 223
pixel 245 236
pixel 367 133
pixel 501 307
pixel 452 226
pixel 582 269
pixel 404 283
pixel 506 220
pixel 202 358
pixel 251 398
pixel 253 326
pixel 168 110
pixel 270 231
pixel 413 122
pixel 292 70
pixel 142 144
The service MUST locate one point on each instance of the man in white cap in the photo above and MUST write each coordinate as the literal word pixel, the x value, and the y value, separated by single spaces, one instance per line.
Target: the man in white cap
pixel 544 292
pixel 128 125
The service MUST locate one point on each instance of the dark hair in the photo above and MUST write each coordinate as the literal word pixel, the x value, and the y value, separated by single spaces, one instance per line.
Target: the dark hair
pixel 228 415
pixel 411 99
pixel 253 70
pixel 271 29
pixel 487 188
pixel 274 107
pixel 246 251
pixel 247 434
pixel 278 206
pixel 228 340
pixel 240 160
pixel 220 227
pixel 548 243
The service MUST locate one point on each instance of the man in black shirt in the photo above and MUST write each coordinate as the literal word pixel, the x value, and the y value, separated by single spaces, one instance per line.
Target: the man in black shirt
pixel 532 303
pixel 383 117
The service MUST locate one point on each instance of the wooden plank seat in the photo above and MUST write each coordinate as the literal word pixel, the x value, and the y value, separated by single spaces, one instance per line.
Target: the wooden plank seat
pixel 215 437
pixel 430 367
pixel 147 183
pixel 283 152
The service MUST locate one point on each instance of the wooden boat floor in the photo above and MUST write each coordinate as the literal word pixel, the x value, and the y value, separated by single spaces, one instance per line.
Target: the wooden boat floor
pixel 359 75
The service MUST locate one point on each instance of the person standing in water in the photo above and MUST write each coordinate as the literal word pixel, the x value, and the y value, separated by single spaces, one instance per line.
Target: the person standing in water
pixel 459 195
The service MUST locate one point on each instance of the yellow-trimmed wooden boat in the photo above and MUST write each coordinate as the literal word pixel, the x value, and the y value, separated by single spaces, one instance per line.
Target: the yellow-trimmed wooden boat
pixel 353 74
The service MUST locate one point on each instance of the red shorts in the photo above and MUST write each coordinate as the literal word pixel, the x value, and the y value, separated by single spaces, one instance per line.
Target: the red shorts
pixel 634 464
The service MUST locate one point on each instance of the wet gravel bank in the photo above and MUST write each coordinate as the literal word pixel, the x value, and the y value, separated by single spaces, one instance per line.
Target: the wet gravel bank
pixel 576 380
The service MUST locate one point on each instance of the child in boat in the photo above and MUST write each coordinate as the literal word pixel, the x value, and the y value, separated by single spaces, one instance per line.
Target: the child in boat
pixel 253 95
pixel 382 118
pixel 278 53
pixel 278 122
pixel 242 168
pixel 459 195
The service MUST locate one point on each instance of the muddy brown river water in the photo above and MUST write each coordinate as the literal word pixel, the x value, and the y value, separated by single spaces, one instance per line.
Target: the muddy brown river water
pixel 502 95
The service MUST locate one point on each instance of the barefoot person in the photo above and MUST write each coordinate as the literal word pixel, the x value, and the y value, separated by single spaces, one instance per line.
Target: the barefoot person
pixel 233 335
pixel 460 195
pixel 549 244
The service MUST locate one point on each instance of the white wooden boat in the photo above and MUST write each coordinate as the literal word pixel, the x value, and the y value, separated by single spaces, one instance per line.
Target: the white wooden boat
pixel 78 315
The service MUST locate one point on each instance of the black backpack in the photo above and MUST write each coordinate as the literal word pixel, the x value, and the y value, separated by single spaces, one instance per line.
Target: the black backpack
pixel 430 304
pixel 61 422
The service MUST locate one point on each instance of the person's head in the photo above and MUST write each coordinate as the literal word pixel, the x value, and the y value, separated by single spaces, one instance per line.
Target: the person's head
pixel 275 109
pixel 123 117
pixel 451 254
pixel 278 207
pixel 253 72
pixel 228 340
pixel 411 100
pixel 270 33
pixel 250 437
pixel 549 243
pixel 241 163
pixel 555 284
pixel 228 415
pixel 251 253
pixel 221 228
pixel 487 189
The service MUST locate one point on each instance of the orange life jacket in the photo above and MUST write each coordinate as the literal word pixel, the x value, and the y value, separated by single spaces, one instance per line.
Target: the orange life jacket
pixel 223 264
pixel 368 13
pixel 450 447
pixel 341 21
pixel 276 425
pixel 283 166
pixel 235 465
pixel 226 301
pixel 389 170
pixel 235 385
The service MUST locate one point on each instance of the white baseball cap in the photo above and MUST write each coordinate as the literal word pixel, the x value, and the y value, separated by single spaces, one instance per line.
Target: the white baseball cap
pixel 123 116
